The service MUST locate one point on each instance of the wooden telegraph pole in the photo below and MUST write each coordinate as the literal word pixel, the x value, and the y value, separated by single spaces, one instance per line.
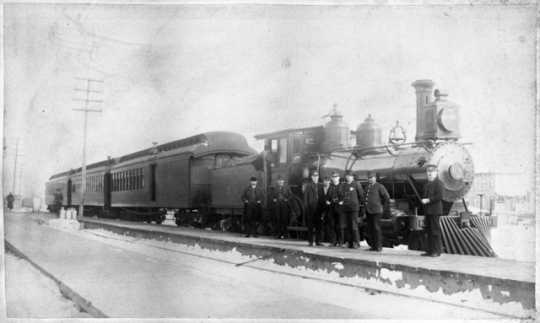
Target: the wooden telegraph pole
pixel 87 101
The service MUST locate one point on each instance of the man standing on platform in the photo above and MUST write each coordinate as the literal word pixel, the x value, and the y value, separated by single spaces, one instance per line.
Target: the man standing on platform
pixel 376 200
pixel 336 212
pixel 252 198
pixel 10 200
pixel 433 210
pixel 325 211
pixel 280 202
pixel 311 201
pixel 352 198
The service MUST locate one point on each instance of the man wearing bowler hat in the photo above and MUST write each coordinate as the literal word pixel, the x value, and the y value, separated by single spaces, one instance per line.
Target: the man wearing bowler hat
pixel 252 198
pixel 352 196
pixel 376 200
pixel 433 191
pixel 311 201
pixel 280 196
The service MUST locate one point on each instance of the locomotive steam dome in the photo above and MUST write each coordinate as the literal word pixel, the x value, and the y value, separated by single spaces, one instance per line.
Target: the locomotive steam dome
pixel 368 134
pixel 336 133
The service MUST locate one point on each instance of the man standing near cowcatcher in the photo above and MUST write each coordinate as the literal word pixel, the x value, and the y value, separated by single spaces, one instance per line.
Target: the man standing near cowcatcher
pixel 433 210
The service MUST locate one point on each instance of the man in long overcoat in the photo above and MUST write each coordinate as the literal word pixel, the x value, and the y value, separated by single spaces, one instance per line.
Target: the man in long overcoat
pixel 433 192
pixel 252 198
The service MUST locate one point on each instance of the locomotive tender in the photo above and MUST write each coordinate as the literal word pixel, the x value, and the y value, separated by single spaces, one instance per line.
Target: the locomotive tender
pixel 203 176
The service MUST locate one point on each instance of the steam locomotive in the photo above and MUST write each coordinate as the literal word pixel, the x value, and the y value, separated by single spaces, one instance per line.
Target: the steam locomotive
pixel 201 178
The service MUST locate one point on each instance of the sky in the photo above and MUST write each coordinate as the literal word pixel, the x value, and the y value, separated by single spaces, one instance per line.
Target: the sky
pixel 172 71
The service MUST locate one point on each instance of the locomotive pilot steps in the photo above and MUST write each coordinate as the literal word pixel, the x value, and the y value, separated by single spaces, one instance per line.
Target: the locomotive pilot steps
pixel 201 177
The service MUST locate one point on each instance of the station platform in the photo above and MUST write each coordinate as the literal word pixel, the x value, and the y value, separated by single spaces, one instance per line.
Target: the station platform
pixel 494 284
pixel 134 275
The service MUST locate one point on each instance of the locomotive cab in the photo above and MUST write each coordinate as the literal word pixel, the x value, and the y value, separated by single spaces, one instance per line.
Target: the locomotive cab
pixel 287 152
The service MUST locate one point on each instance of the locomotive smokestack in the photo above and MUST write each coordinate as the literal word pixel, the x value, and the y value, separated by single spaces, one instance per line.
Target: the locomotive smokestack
pixel 424 90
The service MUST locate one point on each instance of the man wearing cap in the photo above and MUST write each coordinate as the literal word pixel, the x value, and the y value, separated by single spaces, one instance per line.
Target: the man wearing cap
pixel 325 210
pixel 336 213
pixel 311 201
pixel 280 196
pixel 352 197
pixel 433 191
pixel 376 200
pixel 252 198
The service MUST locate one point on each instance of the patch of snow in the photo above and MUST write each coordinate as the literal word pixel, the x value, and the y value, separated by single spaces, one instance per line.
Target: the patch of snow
pixel 391 275
pixel 65 224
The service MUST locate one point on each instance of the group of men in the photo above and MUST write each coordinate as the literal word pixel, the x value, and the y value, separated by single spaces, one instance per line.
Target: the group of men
pixel 335 208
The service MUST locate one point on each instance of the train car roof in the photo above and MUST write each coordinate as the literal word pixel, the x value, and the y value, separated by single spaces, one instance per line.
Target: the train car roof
pixel 207 143
pixel 280 133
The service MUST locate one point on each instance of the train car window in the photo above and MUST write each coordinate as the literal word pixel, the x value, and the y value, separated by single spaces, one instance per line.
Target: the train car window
pixel 274 145
pixel 283 150
pixel 128 180
pixel 114 182
pixel 297 144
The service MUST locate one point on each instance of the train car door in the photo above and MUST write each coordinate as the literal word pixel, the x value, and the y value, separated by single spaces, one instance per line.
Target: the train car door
pixel 68 195
pixel 153 182
pixel 107 190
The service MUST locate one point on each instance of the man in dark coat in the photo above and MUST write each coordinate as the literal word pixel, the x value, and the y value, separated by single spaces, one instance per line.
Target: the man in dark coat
pixel 280 196
pixel 10 198
pixel 325 210
pixel 311 202
pixel 336 212
pixel 376 200
pixel 252 198
pixel 352 197
pixel 433 210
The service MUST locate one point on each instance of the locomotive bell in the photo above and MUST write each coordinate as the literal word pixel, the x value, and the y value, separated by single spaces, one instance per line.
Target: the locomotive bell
pixel 336 133
pixel 368 135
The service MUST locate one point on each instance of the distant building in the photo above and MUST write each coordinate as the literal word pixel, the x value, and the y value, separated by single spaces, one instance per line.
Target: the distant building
pixel 504 194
